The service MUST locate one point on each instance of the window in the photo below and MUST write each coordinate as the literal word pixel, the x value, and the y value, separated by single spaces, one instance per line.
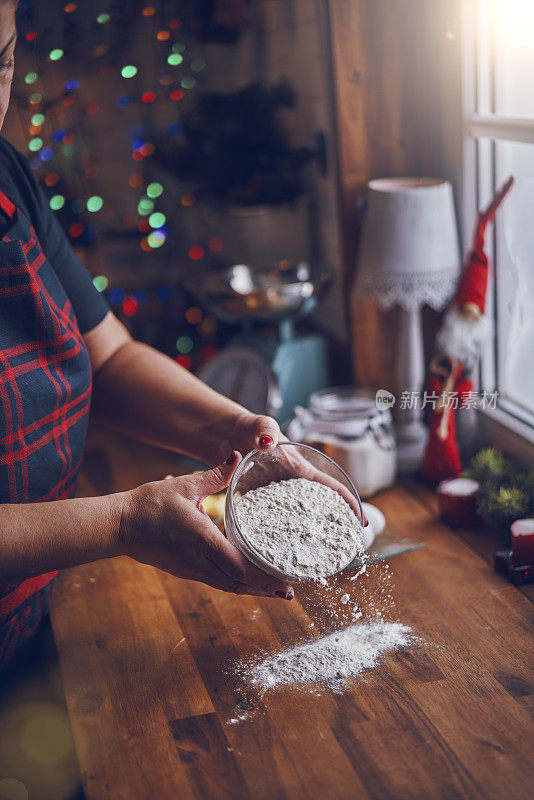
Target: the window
pixel 499 127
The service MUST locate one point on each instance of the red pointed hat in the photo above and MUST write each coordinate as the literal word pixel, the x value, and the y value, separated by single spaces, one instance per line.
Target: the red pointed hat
pixel 474 280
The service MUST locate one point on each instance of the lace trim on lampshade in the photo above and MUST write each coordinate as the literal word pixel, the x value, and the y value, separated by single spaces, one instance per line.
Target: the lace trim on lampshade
pixel 409 290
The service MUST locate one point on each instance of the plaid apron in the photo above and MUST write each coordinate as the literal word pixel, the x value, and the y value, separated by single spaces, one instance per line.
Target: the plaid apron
pixel 45 392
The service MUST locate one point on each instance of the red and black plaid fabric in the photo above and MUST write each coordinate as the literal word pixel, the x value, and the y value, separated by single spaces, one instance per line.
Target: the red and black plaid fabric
pixel 45 385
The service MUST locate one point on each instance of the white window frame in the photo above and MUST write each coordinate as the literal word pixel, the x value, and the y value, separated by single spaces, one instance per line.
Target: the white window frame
pixel 500 426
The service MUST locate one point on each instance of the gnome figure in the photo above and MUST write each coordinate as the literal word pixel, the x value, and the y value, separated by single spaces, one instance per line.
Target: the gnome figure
pixel 459 342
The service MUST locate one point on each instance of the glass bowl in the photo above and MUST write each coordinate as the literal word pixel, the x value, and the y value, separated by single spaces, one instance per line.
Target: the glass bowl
pixel 261 467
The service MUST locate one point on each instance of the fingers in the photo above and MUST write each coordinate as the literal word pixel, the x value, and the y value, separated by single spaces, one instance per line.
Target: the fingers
pixel 212 576
pixel 215 480
pixel 219 580
pixel 238 573
pixel 265 433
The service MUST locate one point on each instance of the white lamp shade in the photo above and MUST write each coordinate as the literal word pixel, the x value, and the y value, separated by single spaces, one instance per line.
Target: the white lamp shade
pixel 409 252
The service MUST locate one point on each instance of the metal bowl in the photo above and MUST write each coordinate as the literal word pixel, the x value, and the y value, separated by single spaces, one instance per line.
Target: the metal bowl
pixel 243 292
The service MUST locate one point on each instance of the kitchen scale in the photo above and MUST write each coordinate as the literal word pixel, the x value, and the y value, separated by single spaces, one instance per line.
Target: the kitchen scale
pixel 266 367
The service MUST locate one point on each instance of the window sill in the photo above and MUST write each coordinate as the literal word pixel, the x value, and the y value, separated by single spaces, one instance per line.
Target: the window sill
pixel 501 429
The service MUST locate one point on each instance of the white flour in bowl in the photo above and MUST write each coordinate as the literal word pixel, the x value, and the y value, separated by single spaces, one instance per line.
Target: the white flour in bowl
pixel 301 527
pixel 333 659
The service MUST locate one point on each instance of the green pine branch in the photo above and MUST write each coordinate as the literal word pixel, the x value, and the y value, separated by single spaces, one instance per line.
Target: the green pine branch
pixel 489 465
pixel 506 490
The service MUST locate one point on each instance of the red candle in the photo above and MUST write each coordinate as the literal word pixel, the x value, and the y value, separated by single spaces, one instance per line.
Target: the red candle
pixel 457 501
pixel 522 542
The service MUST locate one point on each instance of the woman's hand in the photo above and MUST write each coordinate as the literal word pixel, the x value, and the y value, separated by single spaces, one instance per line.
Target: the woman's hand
pixel 163 524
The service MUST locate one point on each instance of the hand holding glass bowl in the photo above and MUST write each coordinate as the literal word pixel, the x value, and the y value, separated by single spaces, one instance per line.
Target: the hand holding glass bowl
pixel 285 461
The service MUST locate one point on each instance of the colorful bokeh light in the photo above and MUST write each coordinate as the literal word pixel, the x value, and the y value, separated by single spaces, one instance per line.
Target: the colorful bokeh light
pixel 94 203
pixel 116 296
pixel 145 207
pixel 193 315
pixel 135 180
pixel 151 223
pixel 157 220
pixel 129 71
pixel 129 306
pixel 184 361
pixel 51 179
pixel 184 344
pixel 156 239
pixel 196 252
pixel 154 190
pixel 76 229
pixel 101 283
pixel 57 202
pixel 216 244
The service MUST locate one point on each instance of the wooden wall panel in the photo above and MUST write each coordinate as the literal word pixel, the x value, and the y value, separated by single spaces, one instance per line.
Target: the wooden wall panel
pixel 397 111
pixel 297 47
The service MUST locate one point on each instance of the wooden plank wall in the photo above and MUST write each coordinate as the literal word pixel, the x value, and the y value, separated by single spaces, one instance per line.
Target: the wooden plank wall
pixel 289 39
pixel 397 110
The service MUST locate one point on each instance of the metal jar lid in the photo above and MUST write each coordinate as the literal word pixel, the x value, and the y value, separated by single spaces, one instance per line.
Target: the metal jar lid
pixel 345 413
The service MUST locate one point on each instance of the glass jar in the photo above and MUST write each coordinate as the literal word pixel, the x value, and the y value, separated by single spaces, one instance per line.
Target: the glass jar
pixel 345 424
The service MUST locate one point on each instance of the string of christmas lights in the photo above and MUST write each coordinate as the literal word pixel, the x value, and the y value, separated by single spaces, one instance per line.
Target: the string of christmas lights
pixel 66 161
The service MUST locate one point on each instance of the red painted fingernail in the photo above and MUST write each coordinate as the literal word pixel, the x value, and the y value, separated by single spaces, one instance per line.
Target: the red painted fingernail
pixel 266 441
pixel 366 523
pixel 231 458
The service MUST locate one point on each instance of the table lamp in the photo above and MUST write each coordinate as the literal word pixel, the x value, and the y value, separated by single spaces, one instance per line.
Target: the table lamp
pixel 409 255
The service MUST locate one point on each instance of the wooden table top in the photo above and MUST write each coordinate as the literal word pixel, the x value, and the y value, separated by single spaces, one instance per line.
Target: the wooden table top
pixel 159 707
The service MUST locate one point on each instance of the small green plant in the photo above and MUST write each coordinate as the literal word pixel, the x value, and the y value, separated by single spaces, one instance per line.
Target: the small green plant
pixel 506 490
pixel 489 465
pixel 525 482
pixel 503 506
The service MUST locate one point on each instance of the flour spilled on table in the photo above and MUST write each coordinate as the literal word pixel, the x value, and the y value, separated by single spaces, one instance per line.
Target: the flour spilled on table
pixel 363 635
pixel 331 660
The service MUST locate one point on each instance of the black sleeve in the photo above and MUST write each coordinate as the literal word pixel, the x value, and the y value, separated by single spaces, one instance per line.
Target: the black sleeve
pixel 88 304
